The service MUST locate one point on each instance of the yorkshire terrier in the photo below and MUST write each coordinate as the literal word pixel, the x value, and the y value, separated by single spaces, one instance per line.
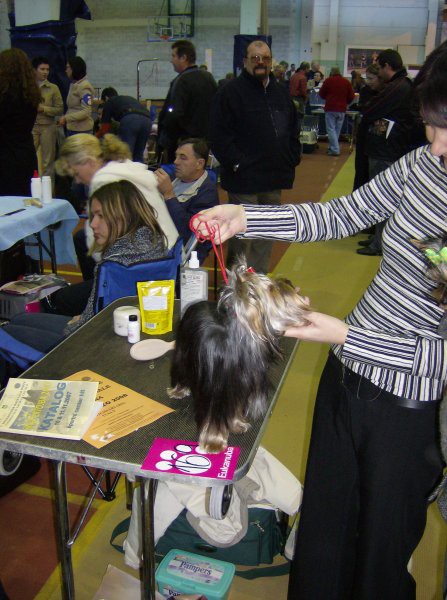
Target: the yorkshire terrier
pixel 223 352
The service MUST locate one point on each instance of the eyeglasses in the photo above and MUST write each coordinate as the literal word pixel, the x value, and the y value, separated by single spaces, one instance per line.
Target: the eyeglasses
pixel 257 58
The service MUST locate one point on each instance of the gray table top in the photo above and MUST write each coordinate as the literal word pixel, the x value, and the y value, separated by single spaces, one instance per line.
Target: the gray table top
pixel 95 346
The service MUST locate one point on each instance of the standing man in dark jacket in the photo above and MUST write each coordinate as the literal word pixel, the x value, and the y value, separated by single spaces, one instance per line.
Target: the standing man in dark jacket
pixel 254 132
pixel 185 112
pixel 391 116
pixel 389 119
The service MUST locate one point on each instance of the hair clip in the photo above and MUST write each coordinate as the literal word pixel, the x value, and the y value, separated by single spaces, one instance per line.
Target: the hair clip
pixel 436 257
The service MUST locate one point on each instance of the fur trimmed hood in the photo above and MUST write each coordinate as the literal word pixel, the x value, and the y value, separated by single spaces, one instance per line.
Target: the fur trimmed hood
pixel 145 181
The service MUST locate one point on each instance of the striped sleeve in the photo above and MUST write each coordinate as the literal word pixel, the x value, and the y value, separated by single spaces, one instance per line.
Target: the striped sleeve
pixel 380 349
pixel 431 358
pixel 338 218
pixel 418 356
pixel 271 222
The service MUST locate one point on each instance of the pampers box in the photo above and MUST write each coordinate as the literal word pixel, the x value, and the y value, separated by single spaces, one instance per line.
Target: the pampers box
pixel 187 573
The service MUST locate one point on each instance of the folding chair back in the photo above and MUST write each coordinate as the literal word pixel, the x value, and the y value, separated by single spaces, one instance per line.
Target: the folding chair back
pixel 116 281
pixel 16 352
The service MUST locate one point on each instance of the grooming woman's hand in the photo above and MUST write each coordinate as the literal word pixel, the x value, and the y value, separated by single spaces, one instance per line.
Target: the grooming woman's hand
pixel 320 328
pixel 229 218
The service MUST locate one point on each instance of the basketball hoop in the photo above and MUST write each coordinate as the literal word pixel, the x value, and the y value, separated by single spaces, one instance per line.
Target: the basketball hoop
pixel 164 37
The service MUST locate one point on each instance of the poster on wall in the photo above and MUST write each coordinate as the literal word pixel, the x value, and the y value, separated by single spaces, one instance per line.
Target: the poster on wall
pixel 357 58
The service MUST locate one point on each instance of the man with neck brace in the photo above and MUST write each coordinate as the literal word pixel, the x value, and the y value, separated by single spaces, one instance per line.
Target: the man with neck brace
pixel 191 191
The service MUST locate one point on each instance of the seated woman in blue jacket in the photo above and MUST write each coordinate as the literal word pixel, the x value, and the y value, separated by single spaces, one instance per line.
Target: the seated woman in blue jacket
pixel 126 231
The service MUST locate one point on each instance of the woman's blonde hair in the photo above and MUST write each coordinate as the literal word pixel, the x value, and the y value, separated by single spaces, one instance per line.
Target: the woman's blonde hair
pixel 125 210
pixel 79 148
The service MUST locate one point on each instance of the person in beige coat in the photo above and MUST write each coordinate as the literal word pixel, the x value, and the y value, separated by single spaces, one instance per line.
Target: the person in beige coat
pixel 51 106
pixel 78 118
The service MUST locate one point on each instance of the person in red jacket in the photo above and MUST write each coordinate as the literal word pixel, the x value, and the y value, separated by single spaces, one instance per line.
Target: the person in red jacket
pixel 338 93
pixel 298 85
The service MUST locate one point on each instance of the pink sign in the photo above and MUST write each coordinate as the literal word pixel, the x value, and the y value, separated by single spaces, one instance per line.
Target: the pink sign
pixel 186 458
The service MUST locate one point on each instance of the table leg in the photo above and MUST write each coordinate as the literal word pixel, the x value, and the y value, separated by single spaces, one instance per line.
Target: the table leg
pixel 52 250
pixel 147 524
pixel 39 244
pixel 63 530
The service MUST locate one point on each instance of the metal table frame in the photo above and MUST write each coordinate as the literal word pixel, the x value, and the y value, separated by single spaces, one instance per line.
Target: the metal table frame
pixel 48 229
pixel 41 246
pixel 83 350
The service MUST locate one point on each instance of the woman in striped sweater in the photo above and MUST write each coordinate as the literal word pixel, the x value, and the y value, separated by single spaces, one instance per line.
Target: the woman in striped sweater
pixel 374 452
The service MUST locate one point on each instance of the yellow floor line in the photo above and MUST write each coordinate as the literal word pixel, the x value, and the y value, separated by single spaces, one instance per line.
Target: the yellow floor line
pixel 83 542
pixel 72 273
pixel 44 492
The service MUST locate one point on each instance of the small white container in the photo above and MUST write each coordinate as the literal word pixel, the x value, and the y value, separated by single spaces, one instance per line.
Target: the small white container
pixel 121 319
pixel 133 330
pixel 47 191
pixel 36 186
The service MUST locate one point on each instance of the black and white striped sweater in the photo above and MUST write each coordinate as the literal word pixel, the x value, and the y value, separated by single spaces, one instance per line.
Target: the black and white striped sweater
pixel 392 339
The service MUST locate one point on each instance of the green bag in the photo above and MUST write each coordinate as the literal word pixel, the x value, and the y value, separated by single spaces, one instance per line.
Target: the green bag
pixel 265 539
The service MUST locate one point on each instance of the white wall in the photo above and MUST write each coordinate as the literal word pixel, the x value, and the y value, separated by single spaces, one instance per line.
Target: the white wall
pixel 4 24
pixel 399 24
pixel 116 39
pixel 28 12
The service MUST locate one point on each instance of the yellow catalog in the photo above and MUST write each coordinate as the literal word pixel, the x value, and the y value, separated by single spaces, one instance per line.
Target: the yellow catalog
pixel 156 305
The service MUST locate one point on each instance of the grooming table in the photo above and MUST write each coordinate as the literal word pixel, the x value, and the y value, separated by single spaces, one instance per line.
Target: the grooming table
pixel 95 346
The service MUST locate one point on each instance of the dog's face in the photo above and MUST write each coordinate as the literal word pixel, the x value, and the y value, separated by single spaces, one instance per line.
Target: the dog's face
pixel 265 307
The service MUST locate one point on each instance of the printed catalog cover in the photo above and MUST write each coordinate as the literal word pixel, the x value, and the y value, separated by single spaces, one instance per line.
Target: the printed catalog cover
pixel 49 408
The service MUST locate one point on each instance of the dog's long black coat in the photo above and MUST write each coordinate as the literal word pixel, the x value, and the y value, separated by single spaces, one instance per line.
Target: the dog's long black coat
pixel 223 367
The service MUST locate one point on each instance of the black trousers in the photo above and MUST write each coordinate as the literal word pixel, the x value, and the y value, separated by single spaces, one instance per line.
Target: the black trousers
pixel 372 464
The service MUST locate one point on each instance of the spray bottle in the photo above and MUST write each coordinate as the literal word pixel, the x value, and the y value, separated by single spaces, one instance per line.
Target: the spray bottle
pixel 193 283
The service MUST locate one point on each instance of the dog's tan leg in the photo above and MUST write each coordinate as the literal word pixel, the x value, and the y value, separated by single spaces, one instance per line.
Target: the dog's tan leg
pixel 178 392
pixel 213 441
pixel 238 425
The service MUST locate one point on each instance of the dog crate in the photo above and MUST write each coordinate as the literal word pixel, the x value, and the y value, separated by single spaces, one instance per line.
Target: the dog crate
pixel 309 133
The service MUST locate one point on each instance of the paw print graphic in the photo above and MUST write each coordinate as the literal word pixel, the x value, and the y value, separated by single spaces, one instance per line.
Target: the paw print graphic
pixel 184 457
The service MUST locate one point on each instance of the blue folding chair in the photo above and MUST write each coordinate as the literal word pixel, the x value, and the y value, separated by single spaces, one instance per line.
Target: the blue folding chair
pixel 17 353
pixel 116 281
